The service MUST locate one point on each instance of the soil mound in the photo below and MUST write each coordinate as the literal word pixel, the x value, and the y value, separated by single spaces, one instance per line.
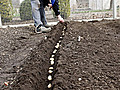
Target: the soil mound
pixel 88 59
pixel 33 52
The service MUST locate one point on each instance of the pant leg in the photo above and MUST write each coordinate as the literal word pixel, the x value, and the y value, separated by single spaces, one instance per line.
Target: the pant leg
pixel 56 8
pixel 36 13
pixel 42 12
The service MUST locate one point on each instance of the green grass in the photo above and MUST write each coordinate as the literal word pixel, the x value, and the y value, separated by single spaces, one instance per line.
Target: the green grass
pixel 90 11
pixel 16 15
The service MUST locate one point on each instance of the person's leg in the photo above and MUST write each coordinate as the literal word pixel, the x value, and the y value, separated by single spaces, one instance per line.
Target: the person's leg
pixel 57 12
pixel 56 8
pixel 37 17
pixel 43 18
pixel 42 13
pixel 36 13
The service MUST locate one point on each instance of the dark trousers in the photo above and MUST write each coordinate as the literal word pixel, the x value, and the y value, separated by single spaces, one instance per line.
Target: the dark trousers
pixel 56 8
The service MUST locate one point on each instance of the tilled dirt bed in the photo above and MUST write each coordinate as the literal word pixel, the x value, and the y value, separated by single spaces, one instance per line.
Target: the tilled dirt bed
pixel 88 57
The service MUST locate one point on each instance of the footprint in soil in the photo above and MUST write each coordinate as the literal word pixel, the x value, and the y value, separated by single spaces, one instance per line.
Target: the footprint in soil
pixel 22 37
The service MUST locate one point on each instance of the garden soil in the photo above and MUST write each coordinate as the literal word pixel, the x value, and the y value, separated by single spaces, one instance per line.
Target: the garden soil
pixel 88 58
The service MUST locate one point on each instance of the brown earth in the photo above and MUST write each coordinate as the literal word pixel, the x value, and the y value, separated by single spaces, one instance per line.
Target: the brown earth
pixel 23 50
pixel 92 63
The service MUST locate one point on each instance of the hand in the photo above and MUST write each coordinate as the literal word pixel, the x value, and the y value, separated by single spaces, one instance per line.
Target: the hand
pixel 60 19
pixel 50 5
pixel 38 5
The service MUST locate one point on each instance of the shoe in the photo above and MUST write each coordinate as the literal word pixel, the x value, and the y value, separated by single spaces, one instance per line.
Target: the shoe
pixel 45 30
pixel 38 29
pixel 47 25
pixel 60 19
pixel 42 29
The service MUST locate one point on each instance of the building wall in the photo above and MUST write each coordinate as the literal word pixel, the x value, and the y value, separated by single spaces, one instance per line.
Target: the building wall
pixel 100 4
pixel 97 4
pixel 82 3
pixel 16 3
pixel 73 5
pixel 92 4
pixel 21 1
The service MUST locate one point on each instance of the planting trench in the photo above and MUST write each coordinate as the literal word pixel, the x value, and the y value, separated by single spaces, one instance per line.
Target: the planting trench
pixel 32 73
pixel 88 59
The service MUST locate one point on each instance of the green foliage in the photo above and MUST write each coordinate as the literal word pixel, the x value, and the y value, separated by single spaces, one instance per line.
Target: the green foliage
pixel 6 10
pixel 25 10
pixel 64 6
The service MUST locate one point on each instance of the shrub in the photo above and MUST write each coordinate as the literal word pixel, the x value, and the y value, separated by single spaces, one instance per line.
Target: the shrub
pixel 64 6
pixel 25 10
pixel 6 10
